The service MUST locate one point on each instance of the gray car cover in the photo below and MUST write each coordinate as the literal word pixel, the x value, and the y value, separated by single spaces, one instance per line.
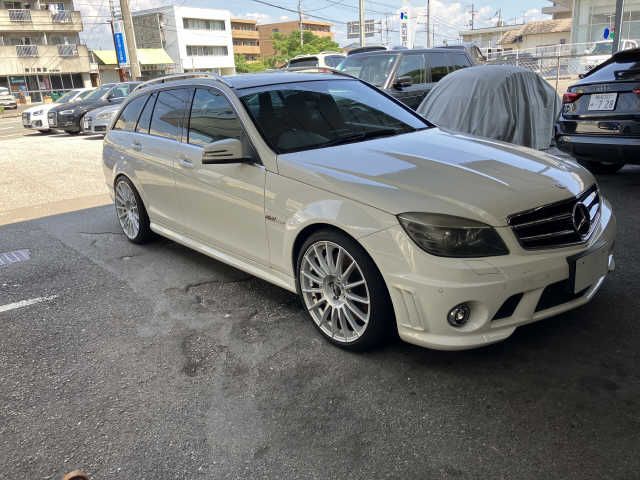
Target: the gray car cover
pixel 503 102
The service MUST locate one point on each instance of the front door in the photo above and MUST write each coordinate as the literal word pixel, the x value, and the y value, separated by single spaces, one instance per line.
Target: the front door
pixel 223 204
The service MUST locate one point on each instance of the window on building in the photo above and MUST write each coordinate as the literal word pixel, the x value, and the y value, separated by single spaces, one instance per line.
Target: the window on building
pixel 207 51
pixel 168 115
pixel 203 24
pixel 212 118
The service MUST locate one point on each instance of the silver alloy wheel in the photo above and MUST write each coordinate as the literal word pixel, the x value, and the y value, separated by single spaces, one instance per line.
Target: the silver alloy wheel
pixel 127 209
pixel 335 291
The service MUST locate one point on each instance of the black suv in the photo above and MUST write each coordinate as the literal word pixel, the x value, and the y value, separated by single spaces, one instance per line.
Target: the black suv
pixel 600 119
pixel 407 75
pixel 68 116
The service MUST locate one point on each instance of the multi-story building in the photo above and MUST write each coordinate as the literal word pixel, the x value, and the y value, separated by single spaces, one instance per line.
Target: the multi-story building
pixel 245 39
pixel 197 39
pixel 40 50
pixel 266 31
pixel 487 38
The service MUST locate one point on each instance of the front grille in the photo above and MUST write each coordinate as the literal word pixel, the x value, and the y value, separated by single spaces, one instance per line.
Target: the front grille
pixel 53 118
pixel 25 117
pixel 552 225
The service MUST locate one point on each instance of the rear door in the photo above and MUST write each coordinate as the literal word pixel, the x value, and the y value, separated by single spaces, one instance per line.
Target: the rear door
pixel 411 65
pixel 608 100
pixel 437 67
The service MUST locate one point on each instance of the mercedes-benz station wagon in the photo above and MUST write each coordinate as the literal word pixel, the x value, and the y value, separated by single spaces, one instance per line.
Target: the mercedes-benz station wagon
pixel 381 222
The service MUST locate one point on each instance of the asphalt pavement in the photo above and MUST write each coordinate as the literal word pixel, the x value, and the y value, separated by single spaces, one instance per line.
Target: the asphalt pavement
pixel 157 362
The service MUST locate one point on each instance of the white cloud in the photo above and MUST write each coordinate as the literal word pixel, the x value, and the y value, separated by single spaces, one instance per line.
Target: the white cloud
pixel 260 17
pixel 284 17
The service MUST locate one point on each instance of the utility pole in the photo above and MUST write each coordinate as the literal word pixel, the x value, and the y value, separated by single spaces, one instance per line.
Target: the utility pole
pixel 618 29
pixel 300 21
pixel 428 24
pixel 112 10
pixel 361 5
pixel 127 21
pixel 473 15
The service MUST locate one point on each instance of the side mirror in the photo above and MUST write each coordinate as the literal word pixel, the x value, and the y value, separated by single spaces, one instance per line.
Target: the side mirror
pixel 402 82
pixel 229 150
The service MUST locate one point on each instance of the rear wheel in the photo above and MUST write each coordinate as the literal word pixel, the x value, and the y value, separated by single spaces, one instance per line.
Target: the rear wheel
pixel 601 167
pixel 131 213
pixel 343 292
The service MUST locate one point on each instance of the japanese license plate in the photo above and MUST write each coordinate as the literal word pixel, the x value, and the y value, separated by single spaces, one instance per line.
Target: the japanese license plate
pixel 588 267
pixel 603 101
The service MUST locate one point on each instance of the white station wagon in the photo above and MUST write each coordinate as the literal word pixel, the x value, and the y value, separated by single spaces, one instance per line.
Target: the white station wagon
pixel 381 222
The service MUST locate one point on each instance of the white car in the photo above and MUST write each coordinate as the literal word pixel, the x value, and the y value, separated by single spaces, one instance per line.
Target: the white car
pixel 599 53
pixel 97 121
pixel 36 117
pixel 381 222
pixel 7 100
pixel 318 60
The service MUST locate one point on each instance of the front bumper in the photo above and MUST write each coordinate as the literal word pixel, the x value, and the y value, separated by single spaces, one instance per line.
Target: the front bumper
pixel 424 288
pixel 38 122
pixel 93 125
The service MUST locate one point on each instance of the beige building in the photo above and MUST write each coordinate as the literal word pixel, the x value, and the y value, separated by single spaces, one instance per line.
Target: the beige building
pixel 40 49
pixel 266 31
pixel 537 34
pixel 245 36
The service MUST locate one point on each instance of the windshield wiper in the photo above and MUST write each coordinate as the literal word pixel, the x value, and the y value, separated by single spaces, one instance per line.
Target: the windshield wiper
pixel 358 137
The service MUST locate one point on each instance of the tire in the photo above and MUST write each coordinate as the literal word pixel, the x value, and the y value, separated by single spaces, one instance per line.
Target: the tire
pixel 334 292
pixel 131 213
pixel 605 168
pixel 48 130
pixel 72 132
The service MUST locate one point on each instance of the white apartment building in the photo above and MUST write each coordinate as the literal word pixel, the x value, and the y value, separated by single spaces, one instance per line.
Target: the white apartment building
pixel 197 39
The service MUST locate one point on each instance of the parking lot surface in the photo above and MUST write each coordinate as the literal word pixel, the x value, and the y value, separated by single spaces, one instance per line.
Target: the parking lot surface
pixel 157 362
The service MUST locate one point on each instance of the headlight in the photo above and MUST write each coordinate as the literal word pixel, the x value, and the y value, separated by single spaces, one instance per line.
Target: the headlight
pixel 448 236
pixel 36 113
pixel 67 112
pixel 105 116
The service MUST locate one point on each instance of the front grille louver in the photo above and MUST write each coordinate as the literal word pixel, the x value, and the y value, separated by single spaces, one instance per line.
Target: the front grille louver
pixel 551 225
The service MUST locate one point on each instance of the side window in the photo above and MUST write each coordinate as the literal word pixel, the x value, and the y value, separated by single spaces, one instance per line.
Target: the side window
pixel 145 117
pixel 129 116
pixel 438 63
pixel 168 115
pixel 119 91
pixel 412 66
pixel 458 61
pixel 212 118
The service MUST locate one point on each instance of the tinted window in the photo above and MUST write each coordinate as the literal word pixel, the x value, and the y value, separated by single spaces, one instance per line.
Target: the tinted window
pixel 624 67
pixel 212 118
pixel 301 116
pixel 438 63
pixel 458 61
pixel 129 116
pixel 304 62
pixel 145 117
pixel 333 60
pixel 169 112
pixel 412 66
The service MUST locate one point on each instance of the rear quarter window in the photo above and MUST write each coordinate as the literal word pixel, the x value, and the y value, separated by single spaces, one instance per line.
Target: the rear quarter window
pixel 129 117
pixel 458 61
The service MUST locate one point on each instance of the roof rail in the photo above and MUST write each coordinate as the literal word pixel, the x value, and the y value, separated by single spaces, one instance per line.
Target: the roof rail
pixel 177 77
pixel 316 70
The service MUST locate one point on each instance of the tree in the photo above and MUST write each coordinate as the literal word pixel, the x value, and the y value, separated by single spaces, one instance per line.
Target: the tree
pixel 242 66
pixel 288 46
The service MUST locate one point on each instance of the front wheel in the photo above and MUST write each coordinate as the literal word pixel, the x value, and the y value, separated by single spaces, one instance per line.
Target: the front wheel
pixel 601 167
pixel 343 292
pixel 131 213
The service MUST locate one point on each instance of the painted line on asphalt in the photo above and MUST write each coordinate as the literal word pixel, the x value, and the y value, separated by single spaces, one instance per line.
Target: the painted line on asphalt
pixel 26 303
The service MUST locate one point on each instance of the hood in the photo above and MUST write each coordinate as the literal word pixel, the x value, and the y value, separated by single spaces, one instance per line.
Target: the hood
pixel 440 172
pixel 45 107
pixel 82 105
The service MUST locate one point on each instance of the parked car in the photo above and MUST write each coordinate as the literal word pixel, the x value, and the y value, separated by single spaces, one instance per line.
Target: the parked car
pixel 503 102
pixel 68 116
pixel 407 75
pixel 36 117
pixel 599 53
pixel 322 60
pixel 6 99
pixel 472 50
pixel 381 222
pixel 600 119
pixel 97 121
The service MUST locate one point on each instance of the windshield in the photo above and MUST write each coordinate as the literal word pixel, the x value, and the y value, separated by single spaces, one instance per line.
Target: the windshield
pixel 305 115
pixel 371 68
pixel 602 48
pixel 98 92
pixel 67 97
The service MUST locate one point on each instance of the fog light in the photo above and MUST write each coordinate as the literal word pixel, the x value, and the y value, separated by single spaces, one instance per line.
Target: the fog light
pixel 458 315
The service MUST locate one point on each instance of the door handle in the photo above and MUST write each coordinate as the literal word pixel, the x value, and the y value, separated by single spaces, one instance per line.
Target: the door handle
pixel 137 146
pixel 186 163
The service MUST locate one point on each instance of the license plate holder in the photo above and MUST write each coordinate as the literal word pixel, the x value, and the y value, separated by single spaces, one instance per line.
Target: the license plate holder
pixel 603 101
pixel 586 267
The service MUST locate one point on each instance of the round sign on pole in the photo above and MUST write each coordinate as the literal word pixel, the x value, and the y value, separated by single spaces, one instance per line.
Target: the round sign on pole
pixel 606 32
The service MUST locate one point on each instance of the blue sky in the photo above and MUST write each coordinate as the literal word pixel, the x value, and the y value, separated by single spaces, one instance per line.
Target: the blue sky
pixel 448 17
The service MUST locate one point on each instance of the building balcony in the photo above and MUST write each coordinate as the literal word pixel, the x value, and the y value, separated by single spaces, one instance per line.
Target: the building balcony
pixel 24 20
pixel 20 59
pixel 252 34
pixel 246 49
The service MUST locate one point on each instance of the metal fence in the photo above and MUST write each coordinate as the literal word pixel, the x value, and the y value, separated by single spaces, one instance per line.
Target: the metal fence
pixel 560 65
